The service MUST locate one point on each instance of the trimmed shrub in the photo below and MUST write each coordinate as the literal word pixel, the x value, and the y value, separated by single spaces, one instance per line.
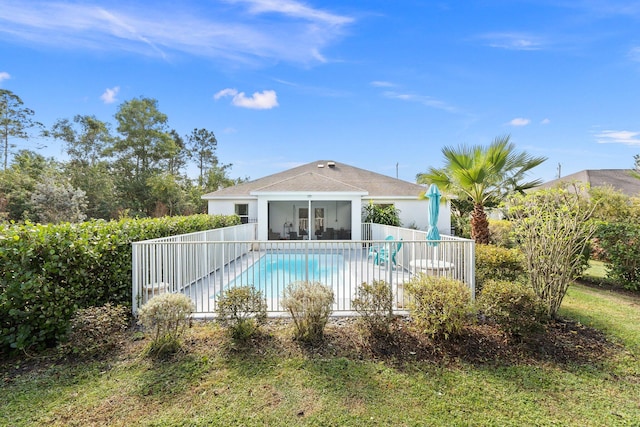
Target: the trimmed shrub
pixel 374 303
pixel 50 271
pixel 242 310
pixel 621 245
pixel 439 306
pixel 497 263
pixel 95 330
pixel 309 304
pixel 166 317
pixel 513 306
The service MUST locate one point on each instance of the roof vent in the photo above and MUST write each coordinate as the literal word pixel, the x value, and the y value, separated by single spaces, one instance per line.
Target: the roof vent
pixel 320 165
pixel 331 164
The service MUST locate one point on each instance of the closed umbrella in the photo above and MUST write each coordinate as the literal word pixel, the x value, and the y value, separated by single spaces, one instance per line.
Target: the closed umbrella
pixel 433 235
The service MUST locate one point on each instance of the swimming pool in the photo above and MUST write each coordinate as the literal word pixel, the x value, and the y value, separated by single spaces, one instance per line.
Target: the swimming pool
pixel 274 271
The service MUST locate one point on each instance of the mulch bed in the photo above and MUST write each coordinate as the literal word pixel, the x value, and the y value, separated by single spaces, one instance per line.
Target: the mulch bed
pixel 562 342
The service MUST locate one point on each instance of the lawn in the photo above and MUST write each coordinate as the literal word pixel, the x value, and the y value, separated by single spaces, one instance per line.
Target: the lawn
pixel 274 381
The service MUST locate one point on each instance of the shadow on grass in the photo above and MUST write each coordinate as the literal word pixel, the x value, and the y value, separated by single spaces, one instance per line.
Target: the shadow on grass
pixel 172 375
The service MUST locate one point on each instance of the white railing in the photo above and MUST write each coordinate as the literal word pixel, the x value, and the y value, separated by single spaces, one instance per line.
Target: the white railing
pixel 170 264
pixel 202 265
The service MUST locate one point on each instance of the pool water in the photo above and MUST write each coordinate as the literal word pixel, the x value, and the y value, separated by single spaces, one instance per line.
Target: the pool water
pixel 273 272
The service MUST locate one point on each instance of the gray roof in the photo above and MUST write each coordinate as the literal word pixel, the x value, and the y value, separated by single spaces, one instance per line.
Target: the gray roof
pixel 621 179
pixel 331 177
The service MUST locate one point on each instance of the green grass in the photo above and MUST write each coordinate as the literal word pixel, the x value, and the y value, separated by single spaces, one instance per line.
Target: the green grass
pixel 215 386
pixel 612 312
pixel 596 270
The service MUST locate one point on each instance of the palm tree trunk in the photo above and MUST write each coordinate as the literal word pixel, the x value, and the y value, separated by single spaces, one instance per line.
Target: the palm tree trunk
pixel 479 225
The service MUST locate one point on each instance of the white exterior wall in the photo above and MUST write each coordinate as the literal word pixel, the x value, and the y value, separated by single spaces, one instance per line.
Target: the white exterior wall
pixel 227 207
pixel 415 213
pixel 412 212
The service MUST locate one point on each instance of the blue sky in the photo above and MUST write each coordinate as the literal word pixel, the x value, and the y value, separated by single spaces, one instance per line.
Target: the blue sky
pixel 382 85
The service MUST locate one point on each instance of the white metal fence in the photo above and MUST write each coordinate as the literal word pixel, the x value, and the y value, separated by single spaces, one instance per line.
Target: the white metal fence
pixel 202 265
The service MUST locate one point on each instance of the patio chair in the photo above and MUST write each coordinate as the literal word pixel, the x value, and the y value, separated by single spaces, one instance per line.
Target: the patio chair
pixel 383 256
pixel 374 249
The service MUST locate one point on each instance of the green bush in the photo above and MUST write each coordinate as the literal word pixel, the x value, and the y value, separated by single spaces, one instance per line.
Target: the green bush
pixel 166 316
pixel 241 309
pixel 497 263
pixel 554 227
pixel 381 214
pixel 513 306
pixel 309 304
pixel 50 271
pixel 439 306
pixel 621 244
pixel 96 330
pixel 374 304
pixel 501 234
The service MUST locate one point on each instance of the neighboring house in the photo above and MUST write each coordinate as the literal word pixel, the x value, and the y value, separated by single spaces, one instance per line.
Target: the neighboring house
pixel 322 200
pixel 626 181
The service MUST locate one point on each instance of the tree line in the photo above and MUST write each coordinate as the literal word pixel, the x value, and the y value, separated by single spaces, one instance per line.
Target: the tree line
pixel 135 167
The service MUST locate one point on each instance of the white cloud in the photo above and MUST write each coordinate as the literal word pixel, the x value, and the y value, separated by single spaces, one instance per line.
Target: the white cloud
pixel 287 30
pixel 519 121
pixel 382 84
pixel 545 121
pixel 634 54
pixel 109 95
pixel 294 9
pixel 421 99
pixel 618 137
pixel 513 41
pixel 264 100
pixel 4 76
pixel 225 92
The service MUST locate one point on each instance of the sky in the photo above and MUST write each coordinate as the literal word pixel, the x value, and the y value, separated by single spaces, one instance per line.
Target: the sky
pixel 377 84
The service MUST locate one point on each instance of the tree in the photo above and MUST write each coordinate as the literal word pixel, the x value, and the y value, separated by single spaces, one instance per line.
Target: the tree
pixel 98 183
pixel 170 196
pixel 87 139
pixel 15 120
pixel 178 157
pixel 636 166
pixel 483 176
pixel 54 201
pixel 554 228
pixel 142 151
pixel 202 146
pixel 145 139
pixel 86 144
pixel 18 182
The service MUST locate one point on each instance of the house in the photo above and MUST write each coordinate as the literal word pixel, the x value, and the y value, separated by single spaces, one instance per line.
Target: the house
pixel 626 181
pixel 322 200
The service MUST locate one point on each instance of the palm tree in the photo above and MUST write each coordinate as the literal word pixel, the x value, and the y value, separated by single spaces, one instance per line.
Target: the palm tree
pixel 483 176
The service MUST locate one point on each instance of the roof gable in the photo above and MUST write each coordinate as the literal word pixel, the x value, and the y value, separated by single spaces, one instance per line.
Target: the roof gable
pixel 323 176
pixel 311 182
pixel 620 179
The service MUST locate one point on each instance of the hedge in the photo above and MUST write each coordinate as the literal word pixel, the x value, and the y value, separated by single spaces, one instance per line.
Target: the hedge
pixel 50 271
pixel 620 242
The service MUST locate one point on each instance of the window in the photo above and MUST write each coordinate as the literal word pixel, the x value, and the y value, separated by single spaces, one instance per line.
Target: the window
pixel 242 210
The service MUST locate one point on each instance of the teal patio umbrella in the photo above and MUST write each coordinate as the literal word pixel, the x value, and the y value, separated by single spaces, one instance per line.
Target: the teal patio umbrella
pixel 434 209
